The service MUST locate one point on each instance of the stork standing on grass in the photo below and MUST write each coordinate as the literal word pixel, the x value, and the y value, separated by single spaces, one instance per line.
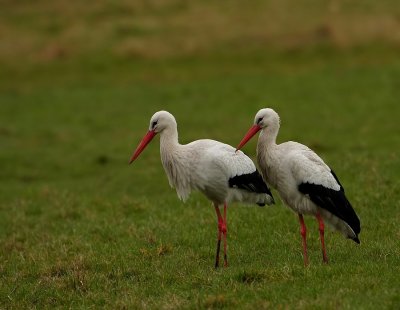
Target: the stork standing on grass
pixel 304 182
pixel 212 167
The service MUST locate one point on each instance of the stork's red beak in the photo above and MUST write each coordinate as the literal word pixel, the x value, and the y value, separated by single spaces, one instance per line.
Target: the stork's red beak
pixel 252 131
pixel 146 140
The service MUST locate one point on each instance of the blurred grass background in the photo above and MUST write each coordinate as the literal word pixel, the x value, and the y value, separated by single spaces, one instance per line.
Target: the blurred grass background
pixel 42 31
pixel 78 85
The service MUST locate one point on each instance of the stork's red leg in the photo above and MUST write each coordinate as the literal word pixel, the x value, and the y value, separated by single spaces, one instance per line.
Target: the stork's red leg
pixel 224 231
pixel 218 248
pixel 321 235
pixel 303 232
pixel 220 222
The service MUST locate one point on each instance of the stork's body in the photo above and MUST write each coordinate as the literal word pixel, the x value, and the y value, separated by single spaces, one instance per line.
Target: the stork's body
pixel 304 182
pixel 209 166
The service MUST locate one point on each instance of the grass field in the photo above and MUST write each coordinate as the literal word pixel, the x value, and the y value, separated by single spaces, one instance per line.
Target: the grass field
pixel 79 228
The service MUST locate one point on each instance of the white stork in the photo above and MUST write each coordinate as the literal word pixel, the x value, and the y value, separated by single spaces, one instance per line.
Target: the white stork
pixel 304 182
pixel 212 167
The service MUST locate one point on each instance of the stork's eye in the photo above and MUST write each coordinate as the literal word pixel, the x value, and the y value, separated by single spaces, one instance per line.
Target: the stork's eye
pixel 259 120
pixel 153 124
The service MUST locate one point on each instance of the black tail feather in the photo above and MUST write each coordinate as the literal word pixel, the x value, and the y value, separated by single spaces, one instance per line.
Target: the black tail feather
pixel 356 240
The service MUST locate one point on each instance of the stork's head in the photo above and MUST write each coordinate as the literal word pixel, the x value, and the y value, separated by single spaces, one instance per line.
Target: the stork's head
pixel 265 118
pixel 160 121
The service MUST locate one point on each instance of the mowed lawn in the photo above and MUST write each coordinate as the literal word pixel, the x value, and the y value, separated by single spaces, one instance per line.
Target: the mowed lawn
pixel 80 228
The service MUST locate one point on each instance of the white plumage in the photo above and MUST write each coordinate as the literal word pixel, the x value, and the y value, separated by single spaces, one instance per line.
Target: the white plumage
pixel 209 166
pixel 304 182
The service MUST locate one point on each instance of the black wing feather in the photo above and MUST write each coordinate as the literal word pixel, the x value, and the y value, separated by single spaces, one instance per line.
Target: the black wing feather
pixel 333 201
pixel 252 182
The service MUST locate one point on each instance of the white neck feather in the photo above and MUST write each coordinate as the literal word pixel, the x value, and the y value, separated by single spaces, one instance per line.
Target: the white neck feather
pixel 169 139
pixel 174 163
pixel 266 153
pixel 268 135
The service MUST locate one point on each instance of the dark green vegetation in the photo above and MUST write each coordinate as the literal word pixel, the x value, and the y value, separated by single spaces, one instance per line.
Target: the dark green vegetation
pixel 80 228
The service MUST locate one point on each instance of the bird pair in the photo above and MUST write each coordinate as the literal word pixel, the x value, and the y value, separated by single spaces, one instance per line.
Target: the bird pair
pixel 225 174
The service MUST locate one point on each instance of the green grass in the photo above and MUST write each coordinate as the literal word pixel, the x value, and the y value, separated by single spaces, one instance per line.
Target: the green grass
pixel 79 228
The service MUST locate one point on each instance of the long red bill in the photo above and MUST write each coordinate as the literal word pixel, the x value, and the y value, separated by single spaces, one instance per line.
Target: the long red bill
pixel 252 131
pixel 146 140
